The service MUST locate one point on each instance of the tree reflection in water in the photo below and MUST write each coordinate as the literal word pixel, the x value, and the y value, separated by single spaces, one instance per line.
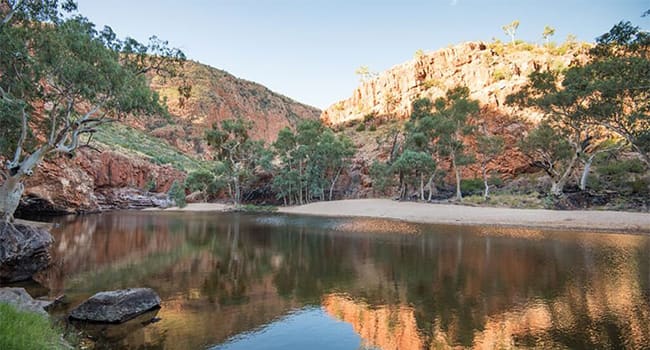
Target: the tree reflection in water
pixel 400 285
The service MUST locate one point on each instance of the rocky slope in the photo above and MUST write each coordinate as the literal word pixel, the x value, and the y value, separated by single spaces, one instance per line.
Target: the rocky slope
pixel 217 95
pixel 491 71
pixel 150 153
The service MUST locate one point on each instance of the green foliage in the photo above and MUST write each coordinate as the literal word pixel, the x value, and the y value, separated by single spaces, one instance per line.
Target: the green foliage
pixel 382 176
pixel 546 148
pixel 56 64
pixel 548 33
pixel 238 154
pixel 471 186
pixel 372 128
pixel 622 167
pixel 369 117
pixel 177 194
pixel 150 185
pixel 202 181
pixel 361 127
pixel 311 161
pixel 501 74
pixel 128 140
pixel 431 83
pixel 26 330
pixel 413 165
pixel 452 121
pixel 511 29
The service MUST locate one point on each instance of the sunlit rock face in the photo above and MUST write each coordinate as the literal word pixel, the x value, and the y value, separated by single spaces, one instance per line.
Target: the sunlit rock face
pixel 217 95
pixel 65 184
pixel 489 72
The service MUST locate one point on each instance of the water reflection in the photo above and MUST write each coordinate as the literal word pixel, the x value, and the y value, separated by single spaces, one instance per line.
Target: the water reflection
pixel 399 286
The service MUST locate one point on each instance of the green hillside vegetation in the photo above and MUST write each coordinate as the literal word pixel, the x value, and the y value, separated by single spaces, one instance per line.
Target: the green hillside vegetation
pixel 128 140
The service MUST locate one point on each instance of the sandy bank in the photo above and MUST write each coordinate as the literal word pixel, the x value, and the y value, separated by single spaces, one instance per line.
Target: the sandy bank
pixel 464 215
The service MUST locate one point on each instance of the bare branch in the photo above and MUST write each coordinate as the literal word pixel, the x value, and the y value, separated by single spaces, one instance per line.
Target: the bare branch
pixel 21 141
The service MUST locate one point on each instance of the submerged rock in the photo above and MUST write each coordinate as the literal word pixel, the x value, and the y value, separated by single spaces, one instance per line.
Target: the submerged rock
pixel 24 250
pixel 116 306
pixel 19 298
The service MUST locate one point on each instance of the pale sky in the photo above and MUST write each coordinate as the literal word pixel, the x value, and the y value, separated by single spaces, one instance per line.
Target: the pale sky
pixel 308 50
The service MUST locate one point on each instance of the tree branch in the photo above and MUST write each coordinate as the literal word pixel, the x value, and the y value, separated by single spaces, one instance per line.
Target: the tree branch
pixel 12 11
pixel 21 141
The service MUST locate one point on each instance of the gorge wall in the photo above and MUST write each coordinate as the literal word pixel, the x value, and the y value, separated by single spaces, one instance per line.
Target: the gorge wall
pixel 491 71
pixel 118 176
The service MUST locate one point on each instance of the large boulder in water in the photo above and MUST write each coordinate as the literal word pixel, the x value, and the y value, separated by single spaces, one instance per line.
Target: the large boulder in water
pixel 24 250
pixel 116 306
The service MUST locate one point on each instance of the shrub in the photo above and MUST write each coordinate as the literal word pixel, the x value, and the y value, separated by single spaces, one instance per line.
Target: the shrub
pixel 622 167
pixel 471 186
pixel 361 127
pixel 177 194
pixel 500 74
pixel 495 181
pixel 199 180
pixel 381 175
pixel 639 186
pixel 150 185
pixel 26 330
pixel 372 128
pixel 369 117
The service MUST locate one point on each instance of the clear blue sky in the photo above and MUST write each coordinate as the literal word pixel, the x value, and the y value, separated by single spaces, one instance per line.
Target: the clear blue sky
pixel 308 50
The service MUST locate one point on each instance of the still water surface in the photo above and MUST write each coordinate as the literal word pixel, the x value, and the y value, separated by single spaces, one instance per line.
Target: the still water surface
pixel 243 281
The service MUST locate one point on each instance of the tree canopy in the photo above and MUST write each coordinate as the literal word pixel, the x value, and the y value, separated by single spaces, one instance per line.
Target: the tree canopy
pixel 62 78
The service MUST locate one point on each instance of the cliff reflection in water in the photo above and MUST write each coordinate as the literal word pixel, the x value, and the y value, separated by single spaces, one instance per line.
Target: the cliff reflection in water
pixel 400 286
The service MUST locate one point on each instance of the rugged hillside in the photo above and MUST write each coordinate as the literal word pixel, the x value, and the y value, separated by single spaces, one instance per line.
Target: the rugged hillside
pixel 491 71
pixel 150 153
pixel 217 95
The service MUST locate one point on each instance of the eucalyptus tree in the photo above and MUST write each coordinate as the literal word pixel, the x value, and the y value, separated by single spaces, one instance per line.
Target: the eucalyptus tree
pixel 616 85
pixel 309 162
pixel 558 143
pixel 608 93
pixel 488 147
pixel 237 154
pixel 453 122
pixel 548 33
pixel 61 78
pixel 511 29
pixel 419 149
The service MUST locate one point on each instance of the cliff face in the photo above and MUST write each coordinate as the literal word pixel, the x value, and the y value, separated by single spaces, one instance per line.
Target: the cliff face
pixel 491 71
pixel 91 181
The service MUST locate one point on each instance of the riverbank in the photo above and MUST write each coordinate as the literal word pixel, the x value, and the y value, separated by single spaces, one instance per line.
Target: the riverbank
pixel 594 220
pixel 478 216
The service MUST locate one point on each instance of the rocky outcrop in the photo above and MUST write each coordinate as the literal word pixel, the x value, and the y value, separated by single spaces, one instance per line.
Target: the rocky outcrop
pixel 491 71
pixel 24 251
pixel 94 181
pixel 19 298
pixel 116 306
